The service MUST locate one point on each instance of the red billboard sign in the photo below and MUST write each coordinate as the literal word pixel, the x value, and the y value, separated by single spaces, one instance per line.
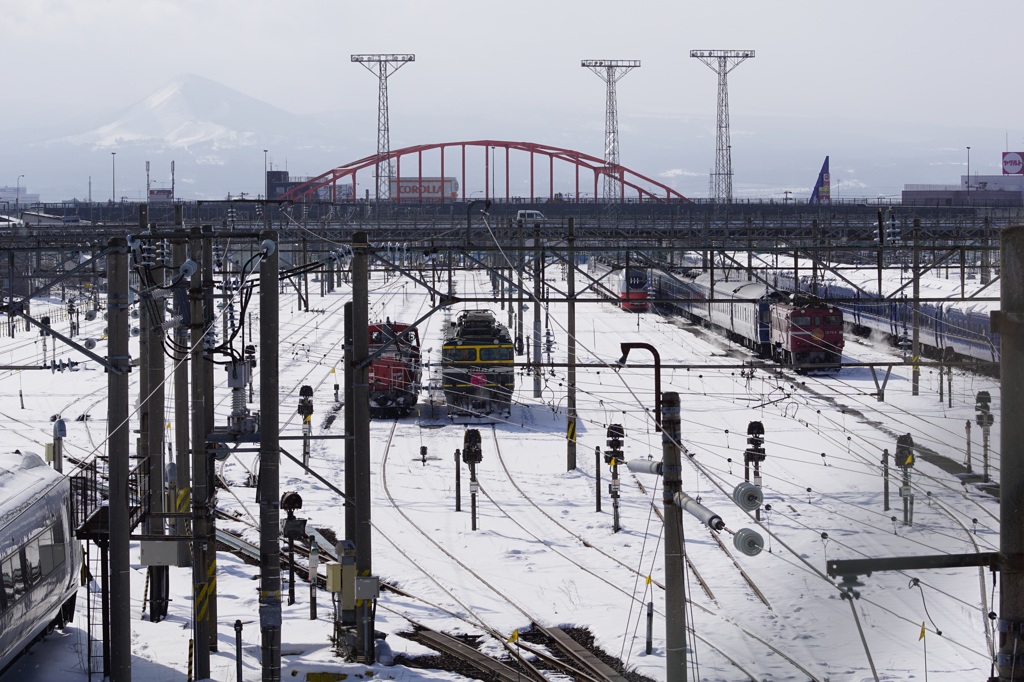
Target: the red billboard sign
pixel 1013 163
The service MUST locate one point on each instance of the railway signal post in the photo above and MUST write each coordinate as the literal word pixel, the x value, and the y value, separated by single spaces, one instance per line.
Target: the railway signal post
pixel 458 480
pixel 472 454
pixel 294 528
pixel 968 458
pixel 613 456
pixel 306 412
pixel 985 419
pixel 754 455
pixel 905 461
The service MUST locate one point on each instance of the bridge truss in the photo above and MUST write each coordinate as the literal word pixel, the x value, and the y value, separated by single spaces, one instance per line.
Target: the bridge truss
pixel 636 187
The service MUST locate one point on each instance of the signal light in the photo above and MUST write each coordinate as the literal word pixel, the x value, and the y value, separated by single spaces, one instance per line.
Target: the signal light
pixel 904 451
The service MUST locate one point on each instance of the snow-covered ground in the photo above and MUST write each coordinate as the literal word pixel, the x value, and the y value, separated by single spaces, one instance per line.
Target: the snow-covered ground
pixel 541 542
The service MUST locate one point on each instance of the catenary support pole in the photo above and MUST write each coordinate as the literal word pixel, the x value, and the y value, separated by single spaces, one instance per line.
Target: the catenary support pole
pixel 675 586
pixel 151 323
pixel 209 289
pixel 538 280
pixel 1011 485
pixel 119 432
pixel 200 487
pixel 269 493
pixel 916 313
pixel 350 456
pixel 201 491
pixel 183 468
pixel 361 438
pixel 570 417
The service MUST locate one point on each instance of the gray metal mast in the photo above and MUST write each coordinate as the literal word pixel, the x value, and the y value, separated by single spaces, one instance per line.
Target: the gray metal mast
pixel 722 62
pixel 611 71
pixel 386 64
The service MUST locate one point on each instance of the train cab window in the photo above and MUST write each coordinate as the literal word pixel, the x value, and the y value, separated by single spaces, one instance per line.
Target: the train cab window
pixel 495 354
pixel 833 320
pixel 801 320
pixel 460 354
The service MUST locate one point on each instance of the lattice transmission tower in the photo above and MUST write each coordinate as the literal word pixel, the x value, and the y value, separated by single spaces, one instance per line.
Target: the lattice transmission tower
pixel 383 65
pixel 722 62
pixel 611 71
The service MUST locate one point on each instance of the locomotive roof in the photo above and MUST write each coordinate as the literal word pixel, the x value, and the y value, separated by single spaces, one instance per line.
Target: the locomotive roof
pixel 23 478
pixel 396 326
pixel 478 324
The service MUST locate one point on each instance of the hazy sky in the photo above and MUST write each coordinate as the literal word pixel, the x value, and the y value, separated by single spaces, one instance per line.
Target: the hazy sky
pixel 837 66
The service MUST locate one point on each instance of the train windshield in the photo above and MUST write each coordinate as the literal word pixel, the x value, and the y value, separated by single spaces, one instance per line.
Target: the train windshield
pixel 460 354
pixel 495 354
pixel 801 320
pixel 833 320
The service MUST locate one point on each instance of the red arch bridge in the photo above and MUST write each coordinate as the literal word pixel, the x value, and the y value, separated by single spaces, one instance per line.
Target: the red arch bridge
pixel 438 172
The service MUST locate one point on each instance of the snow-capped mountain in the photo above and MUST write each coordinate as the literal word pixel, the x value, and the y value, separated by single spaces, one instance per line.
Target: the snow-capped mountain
pixel 192 110
pixel 215 135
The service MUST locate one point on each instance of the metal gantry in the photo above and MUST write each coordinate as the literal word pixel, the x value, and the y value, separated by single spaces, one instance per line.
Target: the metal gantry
pixel 386 64
pixel 611 71
pixel 722 62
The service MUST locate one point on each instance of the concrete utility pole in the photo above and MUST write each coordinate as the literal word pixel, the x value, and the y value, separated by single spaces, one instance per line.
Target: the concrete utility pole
pixel 201 510
pixel 205 376
pixel 183 468
pixel 611 71
pixel 119 431
pixel 151 424
pixel 269 493
pixel 386 64
pixel 675 583
pixel 361 440
pixel 722 62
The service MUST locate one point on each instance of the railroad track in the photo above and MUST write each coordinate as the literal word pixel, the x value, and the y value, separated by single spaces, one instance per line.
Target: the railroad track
pixel 472 615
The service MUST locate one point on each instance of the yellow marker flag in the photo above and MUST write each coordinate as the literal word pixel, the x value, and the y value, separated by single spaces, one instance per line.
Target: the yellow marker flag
pixel 921 636
pixel 910 460
pixel 648 581
pixel 515 636
pixel 332 370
